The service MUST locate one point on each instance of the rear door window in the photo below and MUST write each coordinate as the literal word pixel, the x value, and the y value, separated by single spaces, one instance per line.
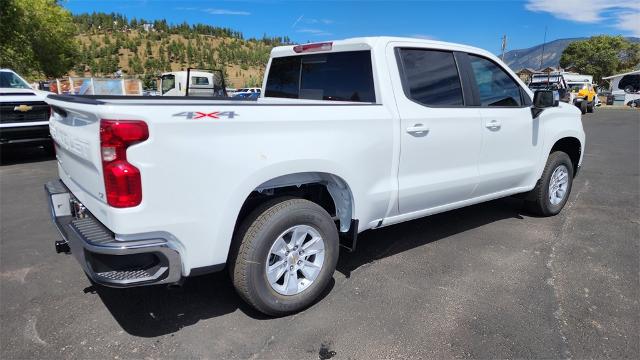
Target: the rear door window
pixel 430 77
pixel 340 76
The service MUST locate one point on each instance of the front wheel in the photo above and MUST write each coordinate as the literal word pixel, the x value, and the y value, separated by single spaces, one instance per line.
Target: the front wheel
pixel 287 253
pixel 583 107
pixel 554 186
pixel 591 106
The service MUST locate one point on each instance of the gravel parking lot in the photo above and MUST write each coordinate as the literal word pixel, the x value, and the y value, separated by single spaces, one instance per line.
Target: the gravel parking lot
pixel 488 281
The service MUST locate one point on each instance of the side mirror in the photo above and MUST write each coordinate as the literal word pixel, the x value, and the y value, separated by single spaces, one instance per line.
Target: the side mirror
pixel 543 99
pixel 546 98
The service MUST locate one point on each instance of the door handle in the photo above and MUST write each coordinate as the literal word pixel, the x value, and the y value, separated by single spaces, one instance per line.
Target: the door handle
pixel 493 125
pixel 418 129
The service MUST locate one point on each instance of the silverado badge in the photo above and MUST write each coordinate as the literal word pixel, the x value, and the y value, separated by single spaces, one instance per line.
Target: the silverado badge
pixel 23 108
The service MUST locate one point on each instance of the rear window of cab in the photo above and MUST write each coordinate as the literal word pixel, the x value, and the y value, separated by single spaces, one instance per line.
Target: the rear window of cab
pixel 338 76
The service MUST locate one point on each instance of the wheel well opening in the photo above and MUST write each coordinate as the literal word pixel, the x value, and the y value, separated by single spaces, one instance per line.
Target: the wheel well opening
pixel 315 192
pixel 571 146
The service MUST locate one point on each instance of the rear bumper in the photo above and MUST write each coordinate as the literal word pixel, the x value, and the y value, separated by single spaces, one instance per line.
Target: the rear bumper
pixel 24 134
pixel 105 259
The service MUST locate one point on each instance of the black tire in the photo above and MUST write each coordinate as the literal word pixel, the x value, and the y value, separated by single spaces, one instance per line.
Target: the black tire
pixel 537 200
pixel 254 239
pixel 591 106
pixel 583 107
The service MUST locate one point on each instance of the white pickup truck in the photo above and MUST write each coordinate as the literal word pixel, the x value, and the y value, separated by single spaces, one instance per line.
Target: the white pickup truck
pixel 23 113
pixel 347 136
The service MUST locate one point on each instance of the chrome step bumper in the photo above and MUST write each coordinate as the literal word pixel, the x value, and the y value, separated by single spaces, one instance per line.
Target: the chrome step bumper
pixel 105 259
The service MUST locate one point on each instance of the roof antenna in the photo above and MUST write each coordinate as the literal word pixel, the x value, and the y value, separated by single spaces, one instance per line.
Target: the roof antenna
pixel 543 43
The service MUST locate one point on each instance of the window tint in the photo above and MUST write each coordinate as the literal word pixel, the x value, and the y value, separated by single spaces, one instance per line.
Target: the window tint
pixel 199 80
pixel 168 83
pixel 630 83
pixel 284 76
pixel 431 77
pixel 495 86
pixel 341 76
pixel 10 80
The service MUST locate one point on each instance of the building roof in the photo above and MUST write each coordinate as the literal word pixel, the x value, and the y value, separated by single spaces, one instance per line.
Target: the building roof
pixel 627 73
pixel 549 69
pixel 525 71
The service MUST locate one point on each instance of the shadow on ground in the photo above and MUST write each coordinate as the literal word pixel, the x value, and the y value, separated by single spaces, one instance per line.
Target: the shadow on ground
pixel 158 310
pixel 11 155
pixel 377 244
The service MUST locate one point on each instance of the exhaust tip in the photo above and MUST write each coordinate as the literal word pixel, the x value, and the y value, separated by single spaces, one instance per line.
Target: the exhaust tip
pixel 62 247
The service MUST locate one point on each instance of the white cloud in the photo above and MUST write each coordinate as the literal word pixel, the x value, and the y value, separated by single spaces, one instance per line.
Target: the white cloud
pixel 308 21
pixel 319 21
pixel 629 22
pixel 226 12
pixel 315 32
pixel 622 14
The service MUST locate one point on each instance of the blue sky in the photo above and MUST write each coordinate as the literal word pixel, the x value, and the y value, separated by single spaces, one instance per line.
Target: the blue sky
pixel 478 23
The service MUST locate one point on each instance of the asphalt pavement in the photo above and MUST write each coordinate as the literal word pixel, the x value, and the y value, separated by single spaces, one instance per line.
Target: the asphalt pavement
pixel 487 281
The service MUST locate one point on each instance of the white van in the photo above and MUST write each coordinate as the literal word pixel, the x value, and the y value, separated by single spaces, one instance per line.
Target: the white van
pixel 192 83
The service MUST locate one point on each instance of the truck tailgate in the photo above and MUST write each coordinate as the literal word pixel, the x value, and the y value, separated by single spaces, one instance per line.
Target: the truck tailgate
pixel 75 129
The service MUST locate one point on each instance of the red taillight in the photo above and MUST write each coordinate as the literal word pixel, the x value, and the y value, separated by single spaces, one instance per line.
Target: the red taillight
pixel 122 181
pixel 325 46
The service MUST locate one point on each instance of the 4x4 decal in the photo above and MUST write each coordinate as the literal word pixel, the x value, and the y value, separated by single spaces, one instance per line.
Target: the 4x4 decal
pixel 201 115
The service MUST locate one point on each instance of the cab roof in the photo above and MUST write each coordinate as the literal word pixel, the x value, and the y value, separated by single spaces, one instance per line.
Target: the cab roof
pixel 364 43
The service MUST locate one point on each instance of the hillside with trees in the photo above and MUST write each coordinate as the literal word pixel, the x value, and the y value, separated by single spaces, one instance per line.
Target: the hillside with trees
pixel 145 48
pixel 40 39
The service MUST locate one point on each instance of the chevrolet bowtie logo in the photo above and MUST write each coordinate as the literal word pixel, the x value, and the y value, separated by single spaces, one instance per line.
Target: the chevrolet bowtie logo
pixel 23 108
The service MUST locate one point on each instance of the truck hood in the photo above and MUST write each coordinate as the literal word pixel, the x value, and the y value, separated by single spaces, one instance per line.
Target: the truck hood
pixel 11 95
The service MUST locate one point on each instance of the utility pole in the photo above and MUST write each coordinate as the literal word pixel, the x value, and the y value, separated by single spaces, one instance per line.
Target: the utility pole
pixel 543 44
pixel 504 45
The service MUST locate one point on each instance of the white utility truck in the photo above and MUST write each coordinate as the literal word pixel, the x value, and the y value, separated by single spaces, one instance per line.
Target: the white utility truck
pixel 193 83
pixel 347 136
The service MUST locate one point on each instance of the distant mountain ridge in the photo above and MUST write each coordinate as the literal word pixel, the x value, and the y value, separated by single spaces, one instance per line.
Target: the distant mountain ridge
pixel 530 57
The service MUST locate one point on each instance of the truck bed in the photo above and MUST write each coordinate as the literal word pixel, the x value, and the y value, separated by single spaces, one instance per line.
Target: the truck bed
pixel 194 100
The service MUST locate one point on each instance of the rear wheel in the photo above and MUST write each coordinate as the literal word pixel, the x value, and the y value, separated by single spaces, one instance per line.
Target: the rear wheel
pixel 287 253
pixel 591 106
pixel 554 186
